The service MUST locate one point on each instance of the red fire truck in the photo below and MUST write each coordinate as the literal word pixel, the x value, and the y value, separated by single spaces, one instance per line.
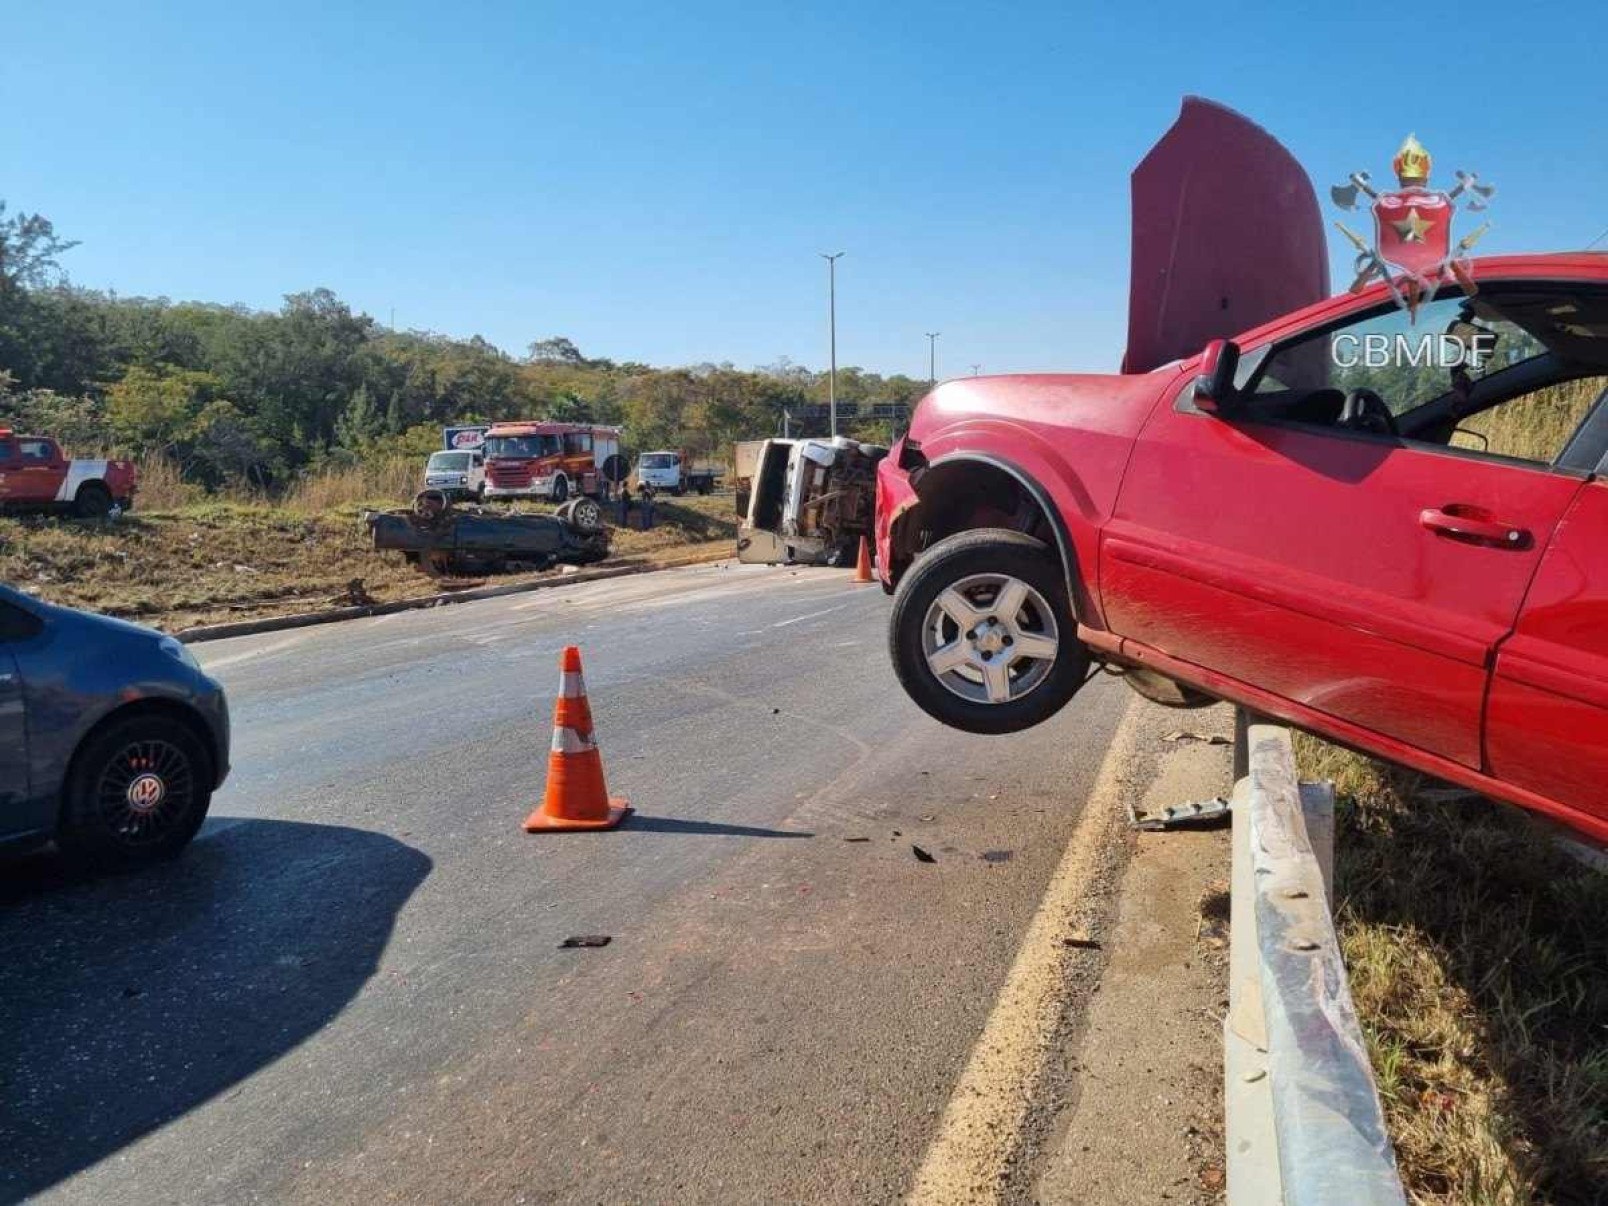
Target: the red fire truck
pixel 547 460
pixel 35 474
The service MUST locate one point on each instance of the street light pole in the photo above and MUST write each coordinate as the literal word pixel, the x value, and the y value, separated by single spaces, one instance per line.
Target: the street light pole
pixel 976 368
pixel 831 323
pixel 932 358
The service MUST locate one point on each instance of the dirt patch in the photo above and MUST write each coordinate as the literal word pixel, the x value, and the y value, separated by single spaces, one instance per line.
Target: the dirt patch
pixel 221 562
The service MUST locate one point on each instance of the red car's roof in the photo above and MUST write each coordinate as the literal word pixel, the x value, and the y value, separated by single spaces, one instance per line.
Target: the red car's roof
pixel 1556 265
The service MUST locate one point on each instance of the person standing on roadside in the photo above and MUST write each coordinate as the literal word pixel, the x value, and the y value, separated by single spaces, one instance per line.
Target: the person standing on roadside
pixel 646 492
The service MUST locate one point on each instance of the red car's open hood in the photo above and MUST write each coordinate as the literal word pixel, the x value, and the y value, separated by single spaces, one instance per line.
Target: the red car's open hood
pixel 1226 235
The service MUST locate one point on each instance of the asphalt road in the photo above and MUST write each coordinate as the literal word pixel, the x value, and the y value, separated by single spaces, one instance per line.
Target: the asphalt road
pixel 351 988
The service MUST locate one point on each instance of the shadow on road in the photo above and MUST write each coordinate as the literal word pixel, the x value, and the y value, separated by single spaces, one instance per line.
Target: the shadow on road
pixel 707 828
pixel 129 1000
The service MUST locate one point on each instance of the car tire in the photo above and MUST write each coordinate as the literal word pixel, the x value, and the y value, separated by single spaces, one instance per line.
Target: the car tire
pixel 1162 690
pixel 93 501
pixel 978 679
pixel 585 515
pixel 137 792
pixel 560 489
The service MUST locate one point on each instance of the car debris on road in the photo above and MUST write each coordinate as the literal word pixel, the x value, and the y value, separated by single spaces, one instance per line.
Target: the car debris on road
pixel 1180 816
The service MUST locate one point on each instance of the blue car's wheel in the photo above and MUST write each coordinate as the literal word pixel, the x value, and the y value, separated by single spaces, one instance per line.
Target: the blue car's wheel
pixel 138 791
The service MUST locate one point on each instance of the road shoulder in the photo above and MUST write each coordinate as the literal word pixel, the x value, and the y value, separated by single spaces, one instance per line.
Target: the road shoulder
pixel 1143 1123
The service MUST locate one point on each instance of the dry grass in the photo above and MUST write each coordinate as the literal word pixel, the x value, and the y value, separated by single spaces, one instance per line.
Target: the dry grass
pixel 219 561
pixel 1478 955
pixel 369 483
pixel 1535 427
pixel 162 486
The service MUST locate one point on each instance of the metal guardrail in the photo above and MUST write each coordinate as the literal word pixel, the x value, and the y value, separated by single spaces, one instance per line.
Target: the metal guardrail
pixel 1304 1123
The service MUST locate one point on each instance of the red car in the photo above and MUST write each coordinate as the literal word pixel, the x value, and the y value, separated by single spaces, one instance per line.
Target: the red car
pixel 1394 551
pixel 34 474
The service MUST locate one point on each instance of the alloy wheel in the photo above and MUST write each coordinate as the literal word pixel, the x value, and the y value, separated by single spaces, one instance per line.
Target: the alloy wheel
pixel 145 792
pixel 990 638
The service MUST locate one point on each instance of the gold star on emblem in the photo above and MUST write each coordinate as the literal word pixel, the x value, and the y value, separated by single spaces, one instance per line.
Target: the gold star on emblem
pixel 1412 228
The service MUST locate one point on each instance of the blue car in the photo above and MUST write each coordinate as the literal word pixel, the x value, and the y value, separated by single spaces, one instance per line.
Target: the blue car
pixel 112 740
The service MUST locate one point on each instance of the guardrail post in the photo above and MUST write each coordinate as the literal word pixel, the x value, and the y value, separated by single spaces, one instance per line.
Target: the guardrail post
pixel 1304 1123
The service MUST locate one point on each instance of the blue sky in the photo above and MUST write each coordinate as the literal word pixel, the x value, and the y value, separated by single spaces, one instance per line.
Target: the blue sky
pixel 655 181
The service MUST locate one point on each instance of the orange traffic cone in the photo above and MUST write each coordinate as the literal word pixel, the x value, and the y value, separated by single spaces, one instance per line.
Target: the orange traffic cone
pixel 576 797
pixel 862 567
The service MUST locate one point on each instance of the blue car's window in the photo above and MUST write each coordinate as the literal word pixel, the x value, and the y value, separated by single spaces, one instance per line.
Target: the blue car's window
pixel 17 624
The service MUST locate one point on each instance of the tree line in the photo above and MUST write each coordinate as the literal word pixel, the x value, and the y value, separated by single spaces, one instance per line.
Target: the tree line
pixel 240 396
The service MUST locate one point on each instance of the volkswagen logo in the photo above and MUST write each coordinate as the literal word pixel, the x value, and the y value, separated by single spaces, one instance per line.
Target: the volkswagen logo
pixel 145 792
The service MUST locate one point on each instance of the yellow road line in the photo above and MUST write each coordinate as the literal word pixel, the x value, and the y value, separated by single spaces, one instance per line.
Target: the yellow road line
pixel 982 1124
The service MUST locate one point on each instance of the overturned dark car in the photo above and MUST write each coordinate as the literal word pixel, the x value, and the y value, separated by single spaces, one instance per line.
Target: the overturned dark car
pixel 441 539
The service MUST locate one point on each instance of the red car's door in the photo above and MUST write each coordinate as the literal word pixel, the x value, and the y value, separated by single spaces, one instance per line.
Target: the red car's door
pixel 1547 719
pixel 10 483
pixel 36 475
pixel 1362 576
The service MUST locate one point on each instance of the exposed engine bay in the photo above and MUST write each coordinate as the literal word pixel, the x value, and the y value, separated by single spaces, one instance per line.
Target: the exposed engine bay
pixel 805 501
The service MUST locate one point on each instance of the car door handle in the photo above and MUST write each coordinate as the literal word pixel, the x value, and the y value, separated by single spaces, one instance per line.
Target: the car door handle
pixel 1474 524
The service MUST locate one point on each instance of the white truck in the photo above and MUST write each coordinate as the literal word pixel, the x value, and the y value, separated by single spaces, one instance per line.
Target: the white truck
pixel 805 501
pixel 672 471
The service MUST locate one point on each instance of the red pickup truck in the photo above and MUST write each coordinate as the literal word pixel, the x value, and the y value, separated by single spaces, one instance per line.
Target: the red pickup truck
pixel 34 474
pixel 1358 547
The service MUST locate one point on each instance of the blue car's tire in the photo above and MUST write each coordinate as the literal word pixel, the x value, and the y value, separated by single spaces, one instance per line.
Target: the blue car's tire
pixel 137 792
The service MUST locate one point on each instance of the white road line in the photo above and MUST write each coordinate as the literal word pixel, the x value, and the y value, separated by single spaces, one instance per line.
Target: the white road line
pixel 814 615
pixel 213 663
pixel 981 1126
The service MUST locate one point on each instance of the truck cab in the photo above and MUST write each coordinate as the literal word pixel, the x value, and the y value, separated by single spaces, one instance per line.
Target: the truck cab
pixel 672 470
pixel 547 460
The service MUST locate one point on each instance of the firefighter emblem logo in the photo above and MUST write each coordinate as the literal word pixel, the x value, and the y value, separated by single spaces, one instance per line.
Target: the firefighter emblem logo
pixel 1412 248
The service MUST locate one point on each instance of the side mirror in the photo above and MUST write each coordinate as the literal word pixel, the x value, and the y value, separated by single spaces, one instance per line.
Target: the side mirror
pixel 1214 388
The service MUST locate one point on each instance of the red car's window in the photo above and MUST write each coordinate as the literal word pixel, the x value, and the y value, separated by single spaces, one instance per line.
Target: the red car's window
pixel 1517 372
pixel 1536 426
pixel 1383 351
pixel 35 450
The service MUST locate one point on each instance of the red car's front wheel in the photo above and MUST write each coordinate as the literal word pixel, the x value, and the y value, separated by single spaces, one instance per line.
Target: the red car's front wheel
pixel 982 635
